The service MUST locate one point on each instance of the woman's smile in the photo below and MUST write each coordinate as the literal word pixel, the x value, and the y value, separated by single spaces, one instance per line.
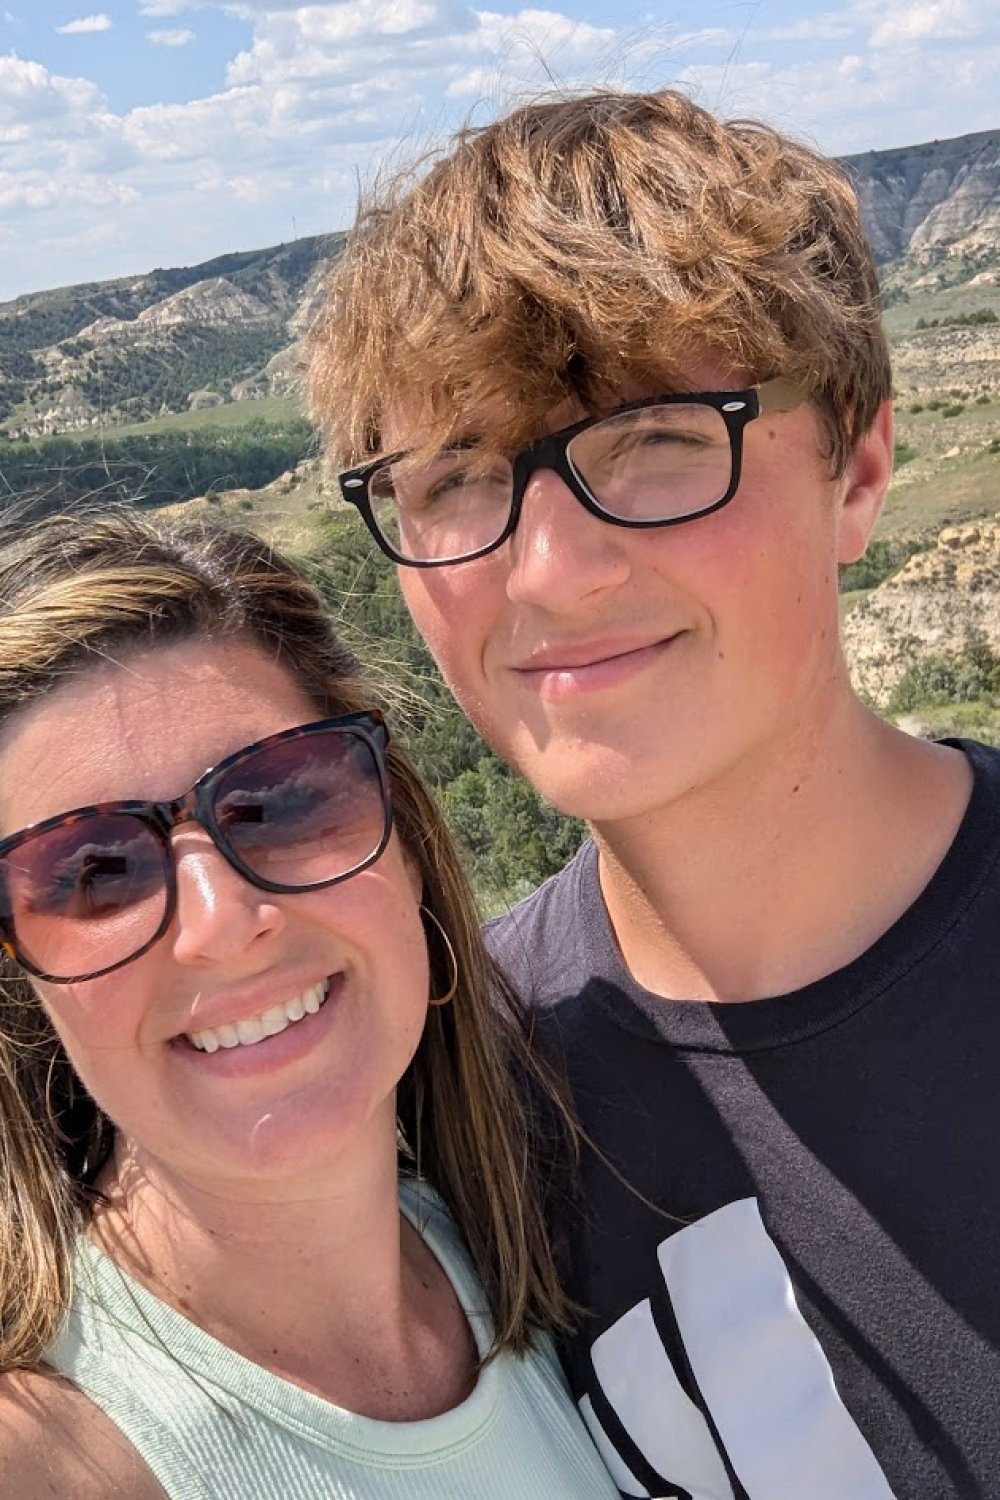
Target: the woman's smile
pixel 249 1031
pixel 282 1035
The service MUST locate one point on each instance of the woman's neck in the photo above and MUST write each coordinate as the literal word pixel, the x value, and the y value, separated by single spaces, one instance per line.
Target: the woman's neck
pixel 328 1287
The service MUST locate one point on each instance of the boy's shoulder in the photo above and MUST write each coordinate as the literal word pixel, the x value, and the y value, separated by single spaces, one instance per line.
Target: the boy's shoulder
pixel 985 761
pixel 535 943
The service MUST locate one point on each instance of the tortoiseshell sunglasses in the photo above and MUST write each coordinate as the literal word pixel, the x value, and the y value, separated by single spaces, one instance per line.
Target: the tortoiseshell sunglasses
pixel 87 891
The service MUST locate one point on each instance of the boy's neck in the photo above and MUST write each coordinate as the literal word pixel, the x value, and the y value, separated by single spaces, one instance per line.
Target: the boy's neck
pixel 789 868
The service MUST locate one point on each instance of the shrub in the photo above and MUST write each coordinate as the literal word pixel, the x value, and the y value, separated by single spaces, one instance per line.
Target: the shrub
pixel 884 557
pixel 155 468
pixel 959 320
pixel 948 677
pixel 954 410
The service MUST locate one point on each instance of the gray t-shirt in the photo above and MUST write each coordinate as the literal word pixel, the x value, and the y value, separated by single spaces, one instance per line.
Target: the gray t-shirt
pixel 789 1243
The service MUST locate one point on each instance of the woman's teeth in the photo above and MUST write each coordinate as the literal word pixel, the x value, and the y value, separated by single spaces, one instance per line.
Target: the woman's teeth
pixel 268 1023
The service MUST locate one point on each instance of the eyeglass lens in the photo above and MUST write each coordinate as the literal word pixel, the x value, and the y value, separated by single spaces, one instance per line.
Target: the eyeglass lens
pixel 657 463
pixel 88 894
pixel 85 895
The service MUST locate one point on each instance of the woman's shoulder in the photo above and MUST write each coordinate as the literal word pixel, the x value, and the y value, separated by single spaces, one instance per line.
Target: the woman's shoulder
pixel 55 1442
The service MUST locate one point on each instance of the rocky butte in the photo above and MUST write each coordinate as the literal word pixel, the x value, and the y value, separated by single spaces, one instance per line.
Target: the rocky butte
pixel 940 601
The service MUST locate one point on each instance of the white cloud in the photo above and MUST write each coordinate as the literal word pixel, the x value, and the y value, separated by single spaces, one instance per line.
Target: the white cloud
pixel 829 26
pixel 321 96
pixel 31 95
pixel 246 10
pixel 164 7
pixel 894 96
pixel 894 22
pixel 39 192
pixel 84 25
pixel 324 93
pixel 179 37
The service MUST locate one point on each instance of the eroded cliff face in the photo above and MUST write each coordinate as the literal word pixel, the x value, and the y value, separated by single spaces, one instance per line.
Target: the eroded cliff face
pixel 931 360
pixel 207 305
pixel 940 601
pixel 922 201
pixel 92 354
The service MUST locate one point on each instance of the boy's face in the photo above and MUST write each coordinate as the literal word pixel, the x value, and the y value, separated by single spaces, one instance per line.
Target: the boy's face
pixel 620 669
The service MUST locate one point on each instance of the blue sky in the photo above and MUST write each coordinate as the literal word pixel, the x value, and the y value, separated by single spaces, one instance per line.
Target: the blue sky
pixel 139 133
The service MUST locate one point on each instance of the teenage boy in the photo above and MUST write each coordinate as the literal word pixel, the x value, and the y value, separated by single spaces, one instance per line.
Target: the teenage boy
pixel 614 381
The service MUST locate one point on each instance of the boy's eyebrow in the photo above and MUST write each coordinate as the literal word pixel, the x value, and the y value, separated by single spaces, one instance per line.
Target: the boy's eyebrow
pixel 457 442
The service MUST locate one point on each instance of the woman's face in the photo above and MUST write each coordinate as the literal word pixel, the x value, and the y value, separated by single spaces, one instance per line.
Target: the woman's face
pixel 262 1112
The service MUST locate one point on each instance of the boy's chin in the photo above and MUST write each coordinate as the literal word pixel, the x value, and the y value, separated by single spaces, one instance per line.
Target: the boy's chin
pixel 593 784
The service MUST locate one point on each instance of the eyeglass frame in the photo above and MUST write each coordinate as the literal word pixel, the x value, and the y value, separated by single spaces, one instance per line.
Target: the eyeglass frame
pixel 195 806
pixel 737 408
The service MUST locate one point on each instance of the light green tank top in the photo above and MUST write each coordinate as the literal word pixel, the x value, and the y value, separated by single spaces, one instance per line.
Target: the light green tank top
pixel 212 1425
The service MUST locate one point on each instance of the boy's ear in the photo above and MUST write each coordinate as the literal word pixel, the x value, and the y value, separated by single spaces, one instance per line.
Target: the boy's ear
pixel 863 487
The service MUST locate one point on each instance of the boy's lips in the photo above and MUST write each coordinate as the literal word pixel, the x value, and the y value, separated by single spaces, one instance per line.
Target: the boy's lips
pixel 563 670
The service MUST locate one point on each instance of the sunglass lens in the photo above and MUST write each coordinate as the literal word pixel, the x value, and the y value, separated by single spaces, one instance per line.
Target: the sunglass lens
pixel 85 895
pixel 304 811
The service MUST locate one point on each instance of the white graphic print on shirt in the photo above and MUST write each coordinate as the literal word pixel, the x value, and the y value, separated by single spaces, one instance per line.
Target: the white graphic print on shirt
pixel 771 1425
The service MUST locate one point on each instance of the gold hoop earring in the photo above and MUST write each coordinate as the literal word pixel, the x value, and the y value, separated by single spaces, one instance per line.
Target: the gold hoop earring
pixel 449 995
pixel 50 1112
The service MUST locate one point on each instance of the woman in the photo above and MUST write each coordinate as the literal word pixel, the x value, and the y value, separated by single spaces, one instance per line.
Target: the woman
pixel 234 1002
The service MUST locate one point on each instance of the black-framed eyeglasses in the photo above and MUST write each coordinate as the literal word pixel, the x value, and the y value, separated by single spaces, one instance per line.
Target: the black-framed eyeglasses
pixel 87 891
pixel 655 462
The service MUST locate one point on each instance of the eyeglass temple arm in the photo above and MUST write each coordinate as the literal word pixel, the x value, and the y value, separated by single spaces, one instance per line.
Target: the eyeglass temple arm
pixel 781 394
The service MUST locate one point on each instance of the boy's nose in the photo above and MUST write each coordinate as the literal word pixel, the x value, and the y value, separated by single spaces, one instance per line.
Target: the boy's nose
pixel 560 552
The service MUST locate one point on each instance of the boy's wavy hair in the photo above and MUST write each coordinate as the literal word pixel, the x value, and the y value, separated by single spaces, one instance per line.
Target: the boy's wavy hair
pixel 584 247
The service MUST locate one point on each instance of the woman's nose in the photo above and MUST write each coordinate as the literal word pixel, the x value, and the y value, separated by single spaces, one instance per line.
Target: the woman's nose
pixel 219 915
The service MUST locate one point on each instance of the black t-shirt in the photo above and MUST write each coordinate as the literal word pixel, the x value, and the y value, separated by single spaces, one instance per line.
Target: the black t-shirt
pixel 788 1236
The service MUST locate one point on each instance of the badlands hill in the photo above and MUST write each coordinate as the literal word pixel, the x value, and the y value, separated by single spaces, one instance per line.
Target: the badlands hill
pixel 123 351
pixel 943 601
pixel 940 198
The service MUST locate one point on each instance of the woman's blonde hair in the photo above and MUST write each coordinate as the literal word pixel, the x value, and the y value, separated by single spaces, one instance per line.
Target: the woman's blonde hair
pixel 581 247
pixel 473 1104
